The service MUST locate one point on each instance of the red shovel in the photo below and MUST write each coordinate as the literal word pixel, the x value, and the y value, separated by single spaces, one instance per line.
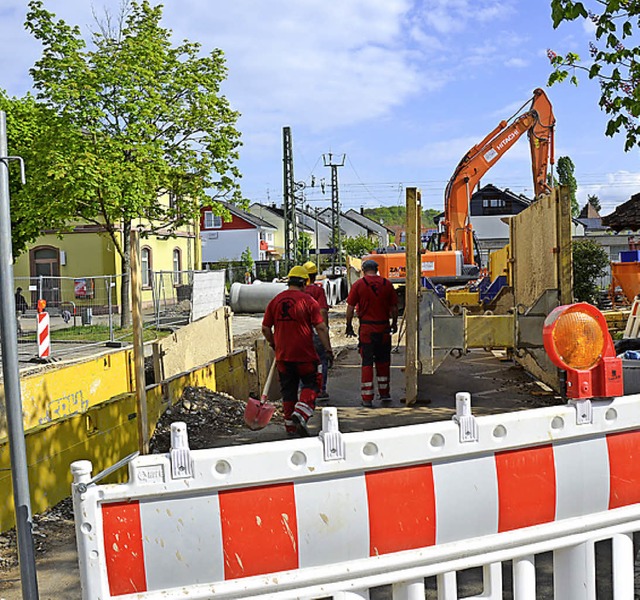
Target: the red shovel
pixel 258 413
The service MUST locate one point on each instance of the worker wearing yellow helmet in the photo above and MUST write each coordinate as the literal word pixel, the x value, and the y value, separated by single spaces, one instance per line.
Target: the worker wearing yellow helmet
pixel 288 325
pixel 316 291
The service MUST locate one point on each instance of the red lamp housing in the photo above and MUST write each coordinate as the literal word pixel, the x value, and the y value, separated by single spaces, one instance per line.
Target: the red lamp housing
pixel 577 339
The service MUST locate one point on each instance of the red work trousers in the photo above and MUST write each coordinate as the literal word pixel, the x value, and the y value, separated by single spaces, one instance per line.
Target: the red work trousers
pixel 291 375
pixel 375 349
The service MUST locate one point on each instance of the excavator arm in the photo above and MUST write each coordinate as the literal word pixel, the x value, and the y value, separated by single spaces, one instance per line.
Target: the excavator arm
pixel 539 123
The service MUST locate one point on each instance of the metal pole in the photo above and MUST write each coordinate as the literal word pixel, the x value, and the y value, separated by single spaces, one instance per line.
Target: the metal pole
pixel 138 343
pixel 317 246
pixel 11 376
pixel 109 286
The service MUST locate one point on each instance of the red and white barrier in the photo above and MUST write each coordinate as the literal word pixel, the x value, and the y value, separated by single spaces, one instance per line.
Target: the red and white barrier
pixel 338 513
pixel 44 335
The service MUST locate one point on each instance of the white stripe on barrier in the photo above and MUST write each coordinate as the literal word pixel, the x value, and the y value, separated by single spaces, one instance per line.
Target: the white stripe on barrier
pixel 465 505
pixel 333 523
pixel 582 480
pixel 280 519
pixel 196 555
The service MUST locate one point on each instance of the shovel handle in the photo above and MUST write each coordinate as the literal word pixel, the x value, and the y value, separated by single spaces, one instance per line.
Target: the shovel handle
pixel 267 384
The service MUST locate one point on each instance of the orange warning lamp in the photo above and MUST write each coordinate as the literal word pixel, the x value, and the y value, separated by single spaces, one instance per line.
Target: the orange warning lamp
pixel 577 339
pixel 42 304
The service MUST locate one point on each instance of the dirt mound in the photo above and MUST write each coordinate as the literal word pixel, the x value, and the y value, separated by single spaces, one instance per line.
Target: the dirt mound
pixel 208 416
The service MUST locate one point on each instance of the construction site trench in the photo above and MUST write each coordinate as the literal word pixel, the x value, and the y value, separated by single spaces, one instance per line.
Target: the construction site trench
pixel 215 419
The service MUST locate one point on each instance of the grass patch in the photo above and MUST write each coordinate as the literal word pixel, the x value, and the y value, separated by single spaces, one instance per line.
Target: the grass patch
pixel 100 333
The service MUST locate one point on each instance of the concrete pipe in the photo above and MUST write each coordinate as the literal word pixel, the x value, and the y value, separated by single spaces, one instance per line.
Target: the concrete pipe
pixel 331 296
pixel 252 298
pixel 326 284
pixel 335 291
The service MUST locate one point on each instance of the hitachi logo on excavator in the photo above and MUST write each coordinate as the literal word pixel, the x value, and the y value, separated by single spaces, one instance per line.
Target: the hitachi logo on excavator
pixel 505 141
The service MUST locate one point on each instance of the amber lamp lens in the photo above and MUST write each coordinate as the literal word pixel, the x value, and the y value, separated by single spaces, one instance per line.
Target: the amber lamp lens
pixel 578 339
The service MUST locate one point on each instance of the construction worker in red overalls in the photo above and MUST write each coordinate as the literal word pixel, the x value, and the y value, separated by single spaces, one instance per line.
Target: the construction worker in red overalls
pixel 316 291
pixel 376 302
pixel 288 327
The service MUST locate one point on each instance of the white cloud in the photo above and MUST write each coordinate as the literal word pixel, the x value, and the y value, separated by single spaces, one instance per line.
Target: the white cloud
pixel 612 189
pixel 451 16
pixel 305 62
pixel 517 63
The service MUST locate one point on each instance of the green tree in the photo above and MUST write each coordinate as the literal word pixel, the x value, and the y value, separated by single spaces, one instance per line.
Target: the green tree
pixel 304 245
pixel 590 261
pixel 145 120
pixel 358 246
pixel 397 215
pixel 565 175
pixel 35 133
pixel 594 201
pixel 247 260
pixel 611 62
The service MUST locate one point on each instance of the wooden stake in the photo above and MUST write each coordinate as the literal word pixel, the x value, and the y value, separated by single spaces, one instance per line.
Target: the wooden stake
pixel 412 289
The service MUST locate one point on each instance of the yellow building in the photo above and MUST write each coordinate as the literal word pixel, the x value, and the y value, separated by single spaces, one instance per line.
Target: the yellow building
pixel 80 267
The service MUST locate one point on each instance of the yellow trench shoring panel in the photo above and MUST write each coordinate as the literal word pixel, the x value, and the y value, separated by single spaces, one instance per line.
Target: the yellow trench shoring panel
pixel 69 390
pixel 489 331
pixel 103 433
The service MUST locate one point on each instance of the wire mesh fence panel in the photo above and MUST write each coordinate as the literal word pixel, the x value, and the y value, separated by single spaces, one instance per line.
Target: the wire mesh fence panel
pixel 172 297
pixel 267 270
pixel 82 311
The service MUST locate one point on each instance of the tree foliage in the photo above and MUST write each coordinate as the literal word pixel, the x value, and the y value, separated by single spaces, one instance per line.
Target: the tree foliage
pixel 246 259
pixel 590 262
pixel 304 246
pixel 594 201
pixel 358 245
pixel 564 171
pixel 612 60
pixel 397 215
pixel 145 120
pixel 35 133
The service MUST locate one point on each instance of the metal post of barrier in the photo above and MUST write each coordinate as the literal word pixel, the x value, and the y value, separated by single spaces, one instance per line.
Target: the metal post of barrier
pixel 524 578
pixel 352 595
pixel 447 586
pixel 109 307
pixel 492 581
pixel 574 572
pixel 623 568
pixel 409 590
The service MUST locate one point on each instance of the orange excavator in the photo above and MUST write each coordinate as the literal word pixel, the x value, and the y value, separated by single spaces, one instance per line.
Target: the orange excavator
pixel 451 257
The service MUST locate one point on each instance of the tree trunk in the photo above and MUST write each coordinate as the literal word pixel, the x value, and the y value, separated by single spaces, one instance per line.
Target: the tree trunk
pixel 125 288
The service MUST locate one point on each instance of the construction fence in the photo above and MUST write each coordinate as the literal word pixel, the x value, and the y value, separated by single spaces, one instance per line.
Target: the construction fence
pixel 88 309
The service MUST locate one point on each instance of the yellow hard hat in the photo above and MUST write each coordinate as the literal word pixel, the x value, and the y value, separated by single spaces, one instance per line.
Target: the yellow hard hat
pixel 310 267
pixel 299 272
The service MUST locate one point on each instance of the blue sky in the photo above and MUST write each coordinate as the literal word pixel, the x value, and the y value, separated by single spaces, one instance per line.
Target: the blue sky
pixel 404 88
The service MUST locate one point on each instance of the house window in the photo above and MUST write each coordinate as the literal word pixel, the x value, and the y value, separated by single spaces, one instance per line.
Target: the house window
pixel 212 221
pixel 145 266
pixel 177 267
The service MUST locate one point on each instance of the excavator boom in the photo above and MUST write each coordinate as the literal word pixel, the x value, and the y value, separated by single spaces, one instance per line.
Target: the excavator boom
pixel 450 259
pixel 538 122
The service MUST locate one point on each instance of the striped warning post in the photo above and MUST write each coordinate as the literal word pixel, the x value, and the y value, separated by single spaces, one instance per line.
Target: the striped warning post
pixel 44 337
pixel 163 542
